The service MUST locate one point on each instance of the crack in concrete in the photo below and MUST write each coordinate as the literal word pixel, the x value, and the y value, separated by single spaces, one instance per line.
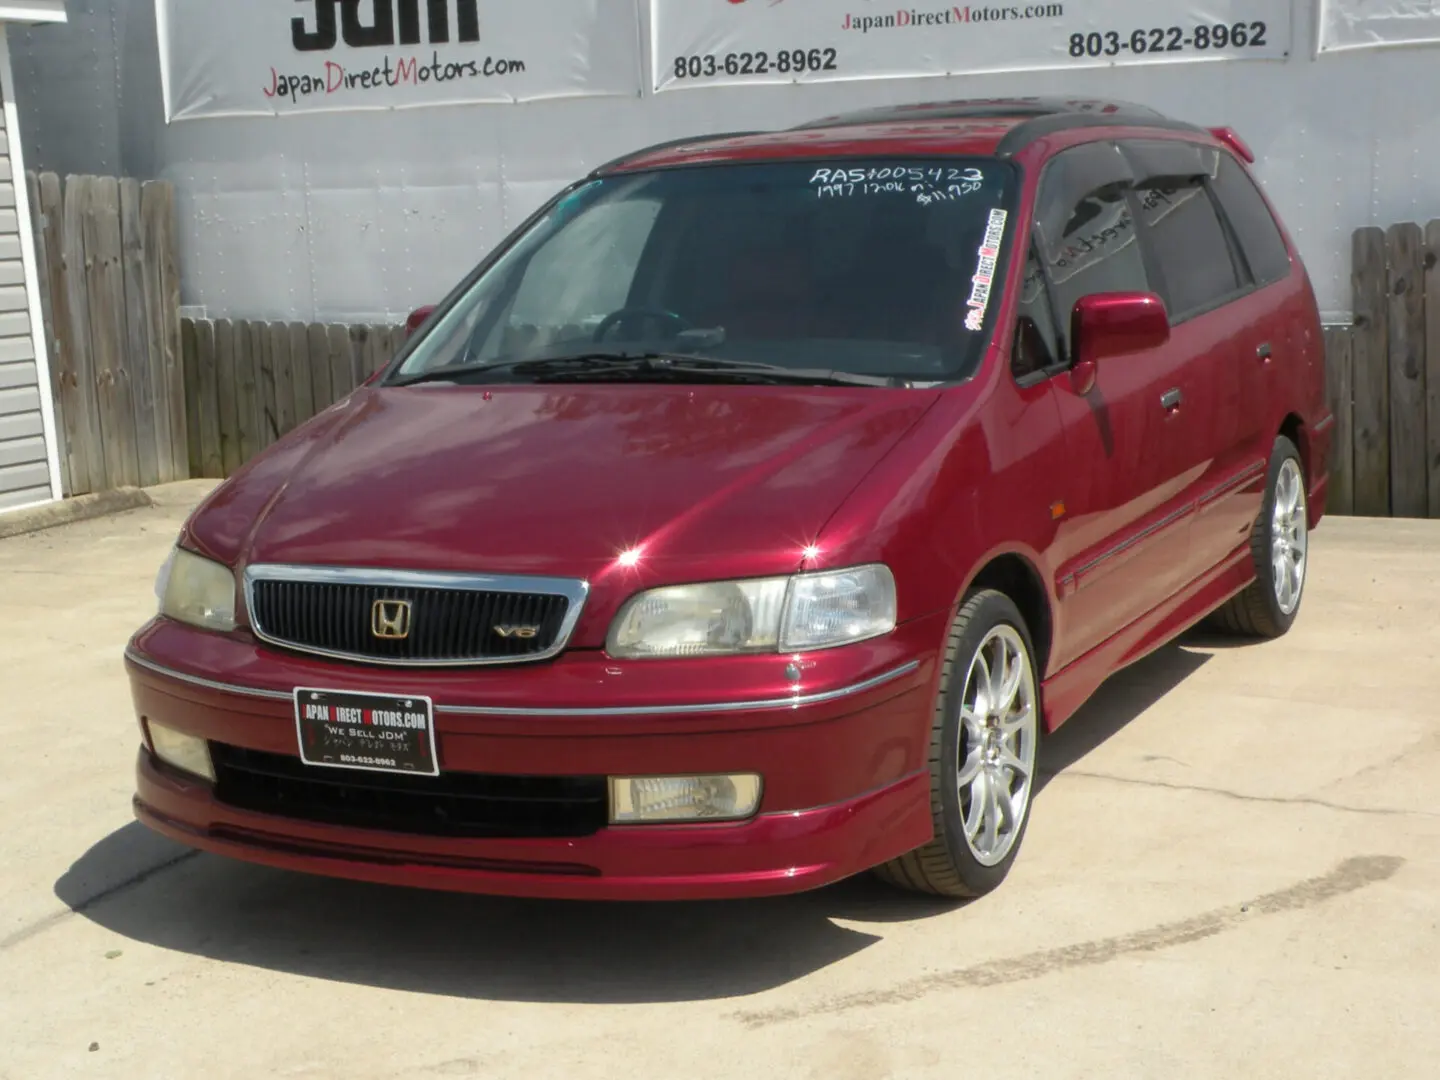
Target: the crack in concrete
pixel 1240 796
pixel 1348 876
pixel 1424 745
pixel 25 933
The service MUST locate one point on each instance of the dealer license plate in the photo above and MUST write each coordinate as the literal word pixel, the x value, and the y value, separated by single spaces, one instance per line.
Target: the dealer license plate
pixel 339 729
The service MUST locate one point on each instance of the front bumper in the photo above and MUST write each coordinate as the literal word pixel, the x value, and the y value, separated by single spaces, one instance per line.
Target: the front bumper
pixel 844 762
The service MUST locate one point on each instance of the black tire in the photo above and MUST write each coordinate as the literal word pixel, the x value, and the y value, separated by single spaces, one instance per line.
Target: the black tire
pixel 1257 612
pixel 946 866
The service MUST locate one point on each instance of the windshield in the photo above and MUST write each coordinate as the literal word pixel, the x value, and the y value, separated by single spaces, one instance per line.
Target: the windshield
pixel 877 268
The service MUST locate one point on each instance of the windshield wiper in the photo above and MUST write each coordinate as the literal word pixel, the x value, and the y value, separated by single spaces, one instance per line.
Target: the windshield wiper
pixel 456 371
pixel 658 363
pixel 598 365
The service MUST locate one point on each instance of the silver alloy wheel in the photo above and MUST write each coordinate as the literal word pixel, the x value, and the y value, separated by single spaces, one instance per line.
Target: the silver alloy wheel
pixel 1289 537
pixel 999 734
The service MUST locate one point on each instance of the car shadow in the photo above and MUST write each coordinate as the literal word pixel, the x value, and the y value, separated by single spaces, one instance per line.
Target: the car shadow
pixel 1219 641
pixel 459 945
pixel 145 888
pixel 1121 698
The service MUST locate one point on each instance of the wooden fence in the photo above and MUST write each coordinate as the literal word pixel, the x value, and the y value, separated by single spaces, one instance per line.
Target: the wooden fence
pixel 110 291
pixel 1384 375
pixel 142 396
pixel 253 382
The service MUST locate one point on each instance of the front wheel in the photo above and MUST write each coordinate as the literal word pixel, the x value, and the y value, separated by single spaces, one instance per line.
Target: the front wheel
pixel 1280 549
pixel 983 746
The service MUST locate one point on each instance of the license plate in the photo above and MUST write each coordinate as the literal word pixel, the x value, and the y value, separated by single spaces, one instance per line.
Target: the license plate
pixel 339 729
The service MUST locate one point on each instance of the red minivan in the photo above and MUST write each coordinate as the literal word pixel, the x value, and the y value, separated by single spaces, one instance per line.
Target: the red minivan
pixel 747 518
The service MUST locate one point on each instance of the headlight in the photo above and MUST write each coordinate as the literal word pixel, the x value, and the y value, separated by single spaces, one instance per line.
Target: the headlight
pixel 767 615
pixel 717 619
pixel 197 591
pixel 838 608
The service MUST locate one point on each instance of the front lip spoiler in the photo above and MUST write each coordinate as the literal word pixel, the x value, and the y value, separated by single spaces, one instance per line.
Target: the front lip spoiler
pixel 793 701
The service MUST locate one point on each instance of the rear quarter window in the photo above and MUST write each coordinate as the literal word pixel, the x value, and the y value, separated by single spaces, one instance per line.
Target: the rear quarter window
pixel 1260 237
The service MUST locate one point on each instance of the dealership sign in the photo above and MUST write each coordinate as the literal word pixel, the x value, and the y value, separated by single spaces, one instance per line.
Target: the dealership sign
pixel 1365 24
pixel 269 57
pixel 737 42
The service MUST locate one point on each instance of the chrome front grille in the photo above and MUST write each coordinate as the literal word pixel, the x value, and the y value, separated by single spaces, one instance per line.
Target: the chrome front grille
pixel 403 617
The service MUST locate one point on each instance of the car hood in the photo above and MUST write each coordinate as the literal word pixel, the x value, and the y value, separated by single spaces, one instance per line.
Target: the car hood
pixel 560 481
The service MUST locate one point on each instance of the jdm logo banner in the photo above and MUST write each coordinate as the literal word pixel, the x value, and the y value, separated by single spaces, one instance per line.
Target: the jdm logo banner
pixel 274 57
pixel 733 42
pixel 1370 24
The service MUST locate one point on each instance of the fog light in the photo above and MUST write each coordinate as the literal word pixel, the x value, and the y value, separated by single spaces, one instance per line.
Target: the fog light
pixel 638 799
pixel 183 751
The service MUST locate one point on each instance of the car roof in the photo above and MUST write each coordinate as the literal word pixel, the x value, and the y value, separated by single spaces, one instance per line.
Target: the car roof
pixel 976 126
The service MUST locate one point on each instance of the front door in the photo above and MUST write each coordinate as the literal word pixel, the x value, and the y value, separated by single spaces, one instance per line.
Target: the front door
pixel 1214 325
pixel 1122 544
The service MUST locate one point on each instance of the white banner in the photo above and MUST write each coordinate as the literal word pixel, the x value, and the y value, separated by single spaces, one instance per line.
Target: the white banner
pixel 1368 24
pixel 730 42
pixel 273 57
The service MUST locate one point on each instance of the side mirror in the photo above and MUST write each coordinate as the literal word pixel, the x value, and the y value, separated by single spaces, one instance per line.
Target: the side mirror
pixel 1107 325
pixel 417 318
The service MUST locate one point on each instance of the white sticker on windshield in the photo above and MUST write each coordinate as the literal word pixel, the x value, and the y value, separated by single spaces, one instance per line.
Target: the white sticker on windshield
pixel 984 278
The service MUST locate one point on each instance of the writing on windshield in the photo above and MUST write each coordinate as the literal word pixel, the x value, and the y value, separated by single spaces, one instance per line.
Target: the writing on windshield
pixel 883 268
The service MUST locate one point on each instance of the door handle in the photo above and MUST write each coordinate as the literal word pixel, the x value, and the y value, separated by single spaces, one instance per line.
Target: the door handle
pixel 1170 400
pixel 1263 352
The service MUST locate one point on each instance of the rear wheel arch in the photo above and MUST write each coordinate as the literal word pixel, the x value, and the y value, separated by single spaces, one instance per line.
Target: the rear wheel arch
pixel 1293 428
pixel 1279 549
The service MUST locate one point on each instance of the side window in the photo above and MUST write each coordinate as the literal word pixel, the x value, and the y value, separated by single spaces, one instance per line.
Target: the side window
pixel 1084 231
pixel 1035 346
pixel 1191 250
pixel 1259 236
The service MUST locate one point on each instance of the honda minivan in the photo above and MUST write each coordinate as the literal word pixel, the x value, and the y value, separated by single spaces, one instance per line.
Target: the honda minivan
pixel 747 518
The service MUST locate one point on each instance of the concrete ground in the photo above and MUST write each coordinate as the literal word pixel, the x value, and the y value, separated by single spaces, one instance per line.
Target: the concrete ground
pixel 1235 871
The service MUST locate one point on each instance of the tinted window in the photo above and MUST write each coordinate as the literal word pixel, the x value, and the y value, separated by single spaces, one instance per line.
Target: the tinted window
pixel 1187 238
pixel 887 267
pixel 1035 346
pixel 1260 239
pixel 1170 159
pixel 1084 230
pixel 1190 246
